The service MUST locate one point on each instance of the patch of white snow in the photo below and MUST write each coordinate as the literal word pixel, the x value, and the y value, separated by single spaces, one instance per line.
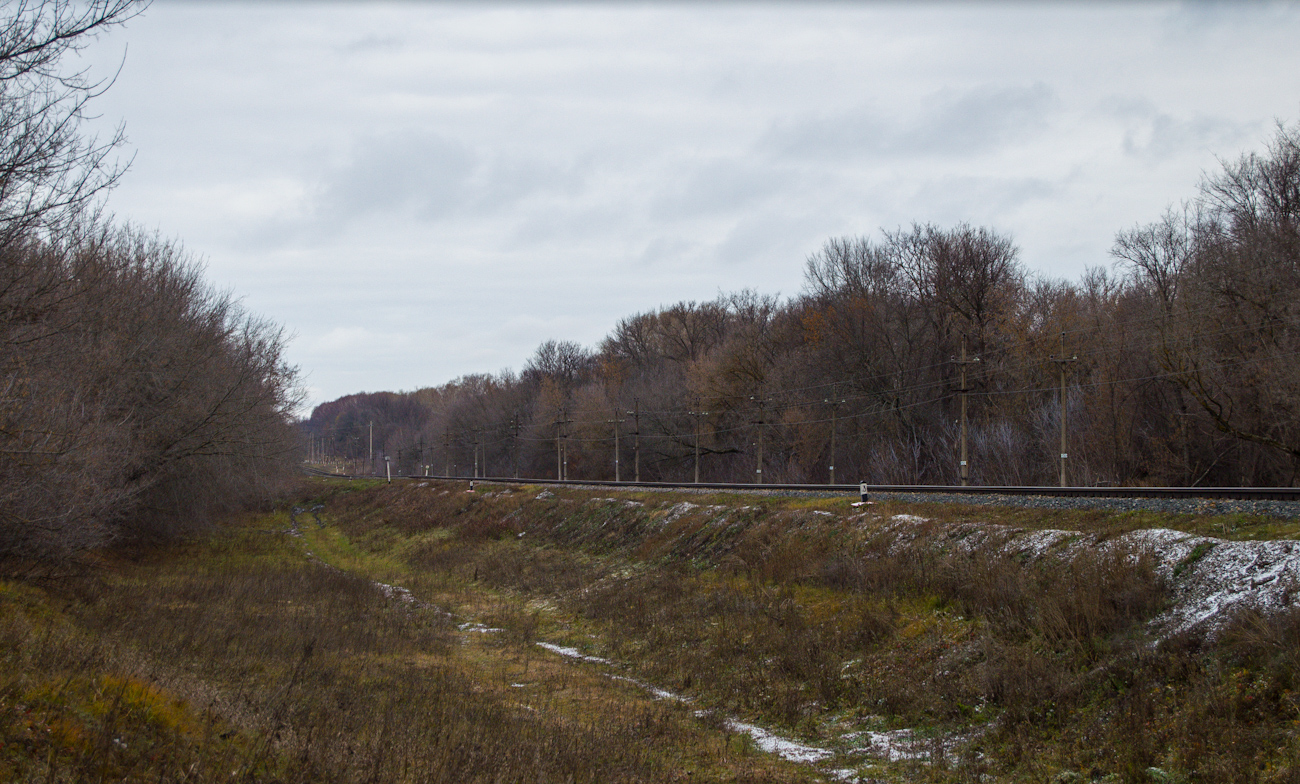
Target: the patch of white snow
pixel 774 744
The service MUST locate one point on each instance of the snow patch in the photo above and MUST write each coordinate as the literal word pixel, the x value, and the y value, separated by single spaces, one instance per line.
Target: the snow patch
pixel 908 518
pixel 675 511
pixel 396 592
pixel 1038 543
pixel 774 744
pixel 1212 580
pixel 572 653
pixel 1215 579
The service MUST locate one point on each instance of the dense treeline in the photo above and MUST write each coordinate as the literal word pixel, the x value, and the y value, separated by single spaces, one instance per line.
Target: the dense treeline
pixel 1179 367
pixel 135 401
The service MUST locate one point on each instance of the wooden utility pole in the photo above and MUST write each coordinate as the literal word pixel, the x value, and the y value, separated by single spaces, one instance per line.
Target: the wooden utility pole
pixel 835 404
pixel 372 446
pixel 758 472
pixel 962 363
pixel 636 436
pixel 697 415
pixel 616 422
pixel 1061 361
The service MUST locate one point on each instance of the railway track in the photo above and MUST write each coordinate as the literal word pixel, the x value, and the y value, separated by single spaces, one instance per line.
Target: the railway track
pixel 1209 493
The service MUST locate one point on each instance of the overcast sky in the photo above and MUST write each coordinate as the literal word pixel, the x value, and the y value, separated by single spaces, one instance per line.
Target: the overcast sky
pixel 420 191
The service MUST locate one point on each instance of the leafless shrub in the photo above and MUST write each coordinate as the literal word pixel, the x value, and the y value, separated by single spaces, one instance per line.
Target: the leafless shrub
pixel 136 402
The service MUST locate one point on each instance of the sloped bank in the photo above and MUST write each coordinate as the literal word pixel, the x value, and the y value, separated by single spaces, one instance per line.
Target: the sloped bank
pixel 1072 652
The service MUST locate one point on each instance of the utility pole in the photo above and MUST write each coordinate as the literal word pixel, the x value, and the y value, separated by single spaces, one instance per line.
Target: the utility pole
pixel 697 415
pixel 561 445
pixel 565 444
pixel 835 404
pixel 515 422
pixel 372 446
pixel 616 422
pixel 963 362
pixel 1061 361
pixel 758 472
pixel 446 451
pixel 636 435
pixel 476 432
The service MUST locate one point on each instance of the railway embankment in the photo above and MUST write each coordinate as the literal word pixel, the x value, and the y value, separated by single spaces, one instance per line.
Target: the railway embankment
pixel 1077 642
pixel 524 633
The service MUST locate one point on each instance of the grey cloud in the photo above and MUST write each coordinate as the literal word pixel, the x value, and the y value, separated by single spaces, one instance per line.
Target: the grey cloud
pixel 665 249
pixel 1167 136
pixel 977 199
pixel 769 238
pixel 425 174
pixel 1205 16
pixel 429 177
pixel 507 181
pixel 560 223
pixel 372 43
pixel 719 186
pixel 948 123
pixel 1151 134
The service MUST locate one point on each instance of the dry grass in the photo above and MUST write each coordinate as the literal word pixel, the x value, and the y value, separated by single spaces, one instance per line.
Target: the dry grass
pixel 781 614
pixel 239 659
pixel 242 654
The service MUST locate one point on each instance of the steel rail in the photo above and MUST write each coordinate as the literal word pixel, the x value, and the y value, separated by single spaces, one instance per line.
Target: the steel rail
pixel 1239 493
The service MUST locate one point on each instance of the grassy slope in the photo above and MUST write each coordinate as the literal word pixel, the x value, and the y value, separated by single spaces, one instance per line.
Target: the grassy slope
pixel 242 657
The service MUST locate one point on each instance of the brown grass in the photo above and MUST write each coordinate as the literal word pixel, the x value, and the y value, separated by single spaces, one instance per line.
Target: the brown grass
pixel 784 615
pixel 272 668
pixel 240 654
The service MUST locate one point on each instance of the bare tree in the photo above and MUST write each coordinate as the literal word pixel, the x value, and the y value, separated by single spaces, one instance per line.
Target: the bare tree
pixel 135 401
pixel 1226 281
pixel 49 171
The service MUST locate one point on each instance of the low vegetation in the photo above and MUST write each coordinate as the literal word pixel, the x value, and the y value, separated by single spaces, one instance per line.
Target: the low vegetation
pixel 399 642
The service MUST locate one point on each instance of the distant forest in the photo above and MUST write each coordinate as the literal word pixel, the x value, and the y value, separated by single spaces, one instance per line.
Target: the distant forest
pixel 1180 365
